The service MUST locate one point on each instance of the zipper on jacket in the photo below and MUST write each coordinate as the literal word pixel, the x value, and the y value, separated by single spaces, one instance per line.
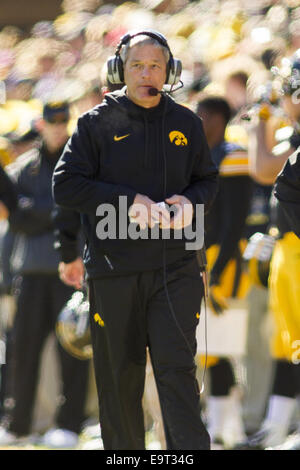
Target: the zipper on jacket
pixel 108 262
pixel 146 141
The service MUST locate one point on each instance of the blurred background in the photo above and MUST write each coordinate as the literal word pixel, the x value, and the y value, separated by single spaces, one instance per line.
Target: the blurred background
pixel 60 48
pixel 239 49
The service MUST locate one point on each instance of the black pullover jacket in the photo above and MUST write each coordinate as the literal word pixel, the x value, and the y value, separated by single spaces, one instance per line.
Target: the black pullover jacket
pixel 121 149
pixel 31 221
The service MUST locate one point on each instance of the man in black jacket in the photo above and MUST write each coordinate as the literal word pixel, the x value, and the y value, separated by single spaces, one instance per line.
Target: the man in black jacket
pixel 140 147
pixel 40 295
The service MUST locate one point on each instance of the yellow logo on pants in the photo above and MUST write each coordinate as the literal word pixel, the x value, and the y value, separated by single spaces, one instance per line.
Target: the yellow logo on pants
pixel 98 319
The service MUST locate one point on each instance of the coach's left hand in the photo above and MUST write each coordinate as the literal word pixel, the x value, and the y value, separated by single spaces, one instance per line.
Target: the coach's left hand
pixel 184 212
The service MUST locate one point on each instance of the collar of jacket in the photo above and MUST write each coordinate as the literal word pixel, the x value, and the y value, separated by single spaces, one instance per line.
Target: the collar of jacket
pixel 138 112
pixel 146 115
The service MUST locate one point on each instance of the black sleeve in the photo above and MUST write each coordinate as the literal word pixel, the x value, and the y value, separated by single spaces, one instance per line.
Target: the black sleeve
pixel 287 191
pixel 67 226
pixel 236 196
pixel 204 182
pixel 74 179
pixel 7 190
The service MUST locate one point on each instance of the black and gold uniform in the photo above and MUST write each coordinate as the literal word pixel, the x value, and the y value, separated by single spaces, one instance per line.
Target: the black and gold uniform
pixel 225 227
pixel 285 266
pixel 225 223
pixel 283 284
pixel 224 233
pixel 284 274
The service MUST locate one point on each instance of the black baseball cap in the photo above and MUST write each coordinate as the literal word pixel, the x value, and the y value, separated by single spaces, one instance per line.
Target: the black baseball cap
pixel 56 112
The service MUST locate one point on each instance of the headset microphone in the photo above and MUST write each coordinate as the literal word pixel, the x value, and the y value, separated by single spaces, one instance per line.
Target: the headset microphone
pixel 154 91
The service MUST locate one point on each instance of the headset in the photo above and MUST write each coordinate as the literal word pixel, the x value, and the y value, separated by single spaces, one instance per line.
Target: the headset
pixel 115 66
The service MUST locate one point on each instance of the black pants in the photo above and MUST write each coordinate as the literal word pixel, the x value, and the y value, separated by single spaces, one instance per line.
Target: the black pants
pixel 222 378
pixel 127 315
pixel 286 379
pixel 40 298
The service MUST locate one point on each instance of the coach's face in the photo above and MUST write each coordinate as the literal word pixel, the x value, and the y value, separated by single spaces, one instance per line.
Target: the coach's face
pixel 145 68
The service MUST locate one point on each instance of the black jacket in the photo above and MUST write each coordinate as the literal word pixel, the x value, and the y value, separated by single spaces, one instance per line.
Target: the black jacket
pixel 31 221
pixel 121 149
pixel 287 191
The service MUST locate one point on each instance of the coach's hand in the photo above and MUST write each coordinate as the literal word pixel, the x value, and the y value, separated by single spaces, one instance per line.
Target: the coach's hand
pixel 184 211
pixel 146 212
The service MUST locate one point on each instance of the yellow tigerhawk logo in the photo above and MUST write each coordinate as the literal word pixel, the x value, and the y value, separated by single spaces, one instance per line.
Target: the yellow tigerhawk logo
pixel 198 315
pixel 98 319
pixel 178 138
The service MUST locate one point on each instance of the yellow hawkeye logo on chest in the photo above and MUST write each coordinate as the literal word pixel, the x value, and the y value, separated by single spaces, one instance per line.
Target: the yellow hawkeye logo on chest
pixel 178 138
pixel 117 138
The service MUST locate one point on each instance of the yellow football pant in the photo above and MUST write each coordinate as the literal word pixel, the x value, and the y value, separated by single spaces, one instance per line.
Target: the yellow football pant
pixel 226 284
pixel 284 284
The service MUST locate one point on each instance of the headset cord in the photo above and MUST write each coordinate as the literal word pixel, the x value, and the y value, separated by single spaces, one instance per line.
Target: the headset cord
pixel 205 285
pixel 165 265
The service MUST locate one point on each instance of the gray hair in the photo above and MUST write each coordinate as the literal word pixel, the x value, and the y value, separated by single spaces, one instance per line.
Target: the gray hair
pixel 143 40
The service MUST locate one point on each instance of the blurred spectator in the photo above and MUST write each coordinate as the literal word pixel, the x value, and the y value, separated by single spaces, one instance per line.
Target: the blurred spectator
pixel 40 295
pixel 236 90
pixel 21 143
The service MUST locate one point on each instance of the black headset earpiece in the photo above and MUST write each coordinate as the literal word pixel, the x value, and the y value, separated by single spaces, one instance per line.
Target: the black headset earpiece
pixel 115 70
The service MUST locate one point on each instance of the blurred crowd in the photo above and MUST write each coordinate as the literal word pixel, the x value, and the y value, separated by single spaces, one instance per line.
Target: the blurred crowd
pixel 67 56
pixel 231 49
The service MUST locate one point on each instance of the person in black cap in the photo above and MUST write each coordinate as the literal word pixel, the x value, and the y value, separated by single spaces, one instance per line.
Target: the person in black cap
pixel 40 293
